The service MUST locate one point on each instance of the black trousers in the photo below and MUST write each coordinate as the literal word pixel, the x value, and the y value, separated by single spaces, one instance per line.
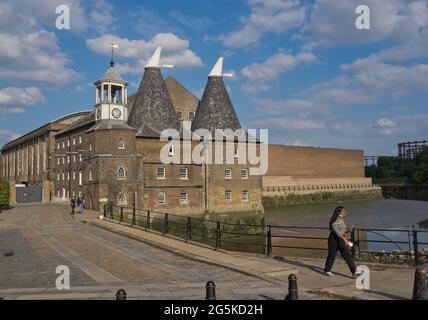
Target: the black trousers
pixel 337 244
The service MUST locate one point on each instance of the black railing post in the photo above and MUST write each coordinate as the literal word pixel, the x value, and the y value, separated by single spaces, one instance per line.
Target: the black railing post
pixel 293 292
pixel 110 206
pixel 105 210
pixel 121 215
pixel 415 246
pixel 134 217
pixel 189 229
pixel 354 247
pixel 121 294
pixel 269 240
pixel 165 224
pixel 210 291
pixel 148 220
pixel 218 236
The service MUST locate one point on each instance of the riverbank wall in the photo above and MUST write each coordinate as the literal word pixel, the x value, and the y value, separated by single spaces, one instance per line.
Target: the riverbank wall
pixel 279 198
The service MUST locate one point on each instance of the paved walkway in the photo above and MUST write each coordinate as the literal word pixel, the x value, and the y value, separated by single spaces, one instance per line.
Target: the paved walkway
pixel 104 256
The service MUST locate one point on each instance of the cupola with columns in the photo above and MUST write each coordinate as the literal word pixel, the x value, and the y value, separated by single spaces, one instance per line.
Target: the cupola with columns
pixel 111 95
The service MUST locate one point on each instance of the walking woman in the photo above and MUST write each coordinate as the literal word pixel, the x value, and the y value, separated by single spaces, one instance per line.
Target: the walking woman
pixel 337 241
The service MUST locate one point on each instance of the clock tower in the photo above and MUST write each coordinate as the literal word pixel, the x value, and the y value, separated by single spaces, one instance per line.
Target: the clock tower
pixel 111 97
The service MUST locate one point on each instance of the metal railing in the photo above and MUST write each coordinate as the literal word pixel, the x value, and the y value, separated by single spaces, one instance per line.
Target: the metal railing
pixel 260 238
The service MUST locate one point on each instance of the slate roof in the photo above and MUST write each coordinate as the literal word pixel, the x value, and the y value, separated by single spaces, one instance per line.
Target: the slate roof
pixel 152 110
pixel 112 74
pixel 215 110
pixel 86 120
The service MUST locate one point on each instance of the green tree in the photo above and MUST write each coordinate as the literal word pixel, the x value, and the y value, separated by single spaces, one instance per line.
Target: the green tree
pixel 4 193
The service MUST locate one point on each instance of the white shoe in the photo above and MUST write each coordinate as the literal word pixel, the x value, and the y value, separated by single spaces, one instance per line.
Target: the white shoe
pixel 328 273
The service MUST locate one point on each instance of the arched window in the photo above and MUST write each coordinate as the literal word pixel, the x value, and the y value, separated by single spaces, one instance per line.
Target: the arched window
pixel 121 173
pixel 90 174
pixel 121 199
pixel 121 144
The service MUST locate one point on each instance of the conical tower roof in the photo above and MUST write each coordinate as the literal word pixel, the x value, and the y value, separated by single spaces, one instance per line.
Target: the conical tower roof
pixel 152 109
pixel 215 110
pixel 113 74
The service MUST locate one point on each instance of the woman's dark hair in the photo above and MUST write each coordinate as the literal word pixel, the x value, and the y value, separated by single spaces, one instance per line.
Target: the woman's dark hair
pixel 335 214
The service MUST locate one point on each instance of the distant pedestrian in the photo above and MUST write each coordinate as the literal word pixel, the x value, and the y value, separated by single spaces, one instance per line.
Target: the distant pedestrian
pixel 337 241
pixel 81 204
pixel 72 204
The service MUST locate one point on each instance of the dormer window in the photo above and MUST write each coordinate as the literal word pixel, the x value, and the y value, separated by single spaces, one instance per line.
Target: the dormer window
pixel 179 114
pixel 191 115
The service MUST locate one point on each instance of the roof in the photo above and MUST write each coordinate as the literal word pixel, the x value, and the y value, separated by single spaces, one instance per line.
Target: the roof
pixel 112 74
pixel 215 110
pixel 87 120
pixel 182 98
pixel 152 110
pixel 55 125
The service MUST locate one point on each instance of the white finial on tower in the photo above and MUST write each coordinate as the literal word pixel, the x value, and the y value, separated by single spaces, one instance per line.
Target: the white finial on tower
pixel 217 70
pixel 154 61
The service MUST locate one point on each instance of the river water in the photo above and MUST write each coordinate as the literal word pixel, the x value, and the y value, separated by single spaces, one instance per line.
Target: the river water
pixel 378 214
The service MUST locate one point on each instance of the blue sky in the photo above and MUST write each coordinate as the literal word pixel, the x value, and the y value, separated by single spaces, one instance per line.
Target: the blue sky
pixel 302 69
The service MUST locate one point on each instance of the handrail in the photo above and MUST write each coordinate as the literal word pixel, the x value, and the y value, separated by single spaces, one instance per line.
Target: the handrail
pixel 233 233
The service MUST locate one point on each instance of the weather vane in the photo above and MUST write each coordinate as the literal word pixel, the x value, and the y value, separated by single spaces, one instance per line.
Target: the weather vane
pixel 112 46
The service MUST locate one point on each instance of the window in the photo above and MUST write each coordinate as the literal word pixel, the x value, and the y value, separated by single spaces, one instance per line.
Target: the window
pixel 236 153
pixel 80 139
pixel 245 195
pixel 90 174
pixel 74 141
pixel 57 147
pixel 57 193
pixel 80 177
pixel 68 159
pixel 121 174
pixel 161 197
pixel 57 176
pixel 244 173
pixel 74 175
pixel 68 175
pixel 121 199
pixel 80 157
pixel 63 176
pixel 57 160
pixel 184 197
pixel 63 144
pixel 68 142
pixel 74 158
pixel 63 160
pixel 121 144
pixel 191 115
pixel 160 173
pixel 228 196
pixel 228 174
pixel 179 114
pixel 170 150
pixel 184 173
pixel 90 146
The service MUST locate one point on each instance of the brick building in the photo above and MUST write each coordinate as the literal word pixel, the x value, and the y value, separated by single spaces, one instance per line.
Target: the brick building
pixel 113 152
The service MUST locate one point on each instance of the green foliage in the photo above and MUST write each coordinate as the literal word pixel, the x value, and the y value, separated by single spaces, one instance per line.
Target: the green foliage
pixel 414 171
pixel 4 193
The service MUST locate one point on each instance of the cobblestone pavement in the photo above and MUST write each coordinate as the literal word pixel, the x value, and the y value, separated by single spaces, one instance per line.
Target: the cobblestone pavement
pixel 36 238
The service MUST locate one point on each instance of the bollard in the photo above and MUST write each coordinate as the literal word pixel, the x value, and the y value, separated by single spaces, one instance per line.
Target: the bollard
pixel 210 291
pixel 420 285
pixel 121 294
pixel 293 292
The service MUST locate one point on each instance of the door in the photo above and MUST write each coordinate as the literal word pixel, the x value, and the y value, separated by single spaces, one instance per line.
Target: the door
pixel 29 194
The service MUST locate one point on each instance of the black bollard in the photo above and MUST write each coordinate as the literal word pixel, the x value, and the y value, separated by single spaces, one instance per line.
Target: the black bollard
pixel 293 292
pixel 121 294
pixel 420 286
pixel 210 291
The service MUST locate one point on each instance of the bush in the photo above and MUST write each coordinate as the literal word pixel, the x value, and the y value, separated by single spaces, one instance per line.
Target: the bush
pixel 4 193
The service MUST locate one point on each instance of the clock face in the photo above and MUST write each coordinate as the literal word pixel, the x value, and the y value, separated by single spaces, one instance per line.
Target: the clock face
pixel 116 113
pixel 98 113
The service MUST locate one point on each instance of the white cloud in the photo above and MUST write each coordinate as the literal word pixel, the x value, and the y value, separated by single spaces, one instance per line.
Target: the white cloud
pixel 289 124
pixel 332 22
pixel 6 136
pixel 385 122
pixel 279 107
pixel 102 16
pixel 266 16
pixel 14 100
pixel 174 51
pixel 260 75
